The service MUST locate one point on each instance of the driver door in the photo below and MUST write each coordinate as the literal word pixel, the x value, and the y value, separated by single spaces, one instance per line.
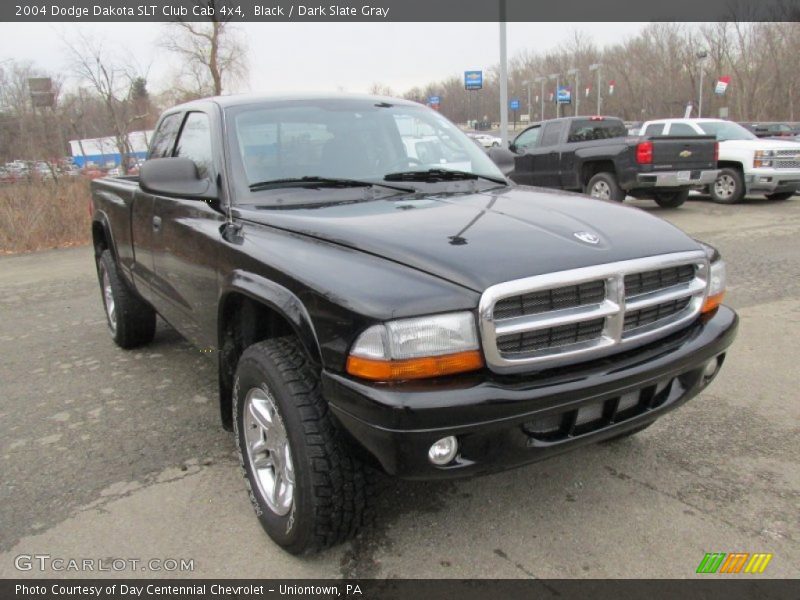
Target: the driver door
pixel 186 235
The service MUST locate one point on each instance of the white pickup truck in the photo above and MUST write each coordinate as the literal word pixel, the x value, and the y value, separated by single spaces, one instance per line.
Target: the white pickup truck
pixel 748 164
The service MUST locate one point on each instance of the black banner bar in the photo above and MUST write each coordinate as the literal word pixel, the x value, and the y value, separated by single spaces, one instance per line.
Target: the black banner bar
pixel 712 588
pixel 398 10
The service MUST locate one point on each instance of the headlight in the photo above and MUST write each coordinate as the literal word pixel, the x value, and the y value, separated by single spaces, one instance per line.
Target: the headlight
pixel 716 286
pixel 417 348
pixel 763 158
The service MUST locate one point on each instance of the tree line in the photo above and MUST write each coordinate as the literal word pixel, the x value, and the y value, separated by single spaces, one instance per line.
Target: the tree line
pixel 656 73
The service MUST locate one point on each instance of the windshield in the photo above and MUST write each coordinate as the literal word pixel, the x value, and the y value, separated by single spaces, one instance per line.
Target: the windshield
pixel 725 130
pixel 348 139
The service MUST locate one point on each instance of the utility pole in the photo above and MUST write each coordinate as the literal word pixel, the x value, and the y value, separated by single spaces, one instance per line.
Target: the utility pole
pixel 527 84
pixel 503 78
pixel 596 67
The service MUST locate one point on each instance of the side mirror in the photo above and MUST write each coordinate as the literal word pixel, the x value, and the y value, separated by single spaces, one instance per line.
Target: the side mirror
pixel 512 146
pixel 504 159
pixel 176 176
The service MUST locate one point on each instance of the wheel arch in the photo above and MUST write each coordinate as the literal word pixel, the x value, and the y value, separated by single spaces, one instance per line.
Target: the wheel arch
pixel 251 309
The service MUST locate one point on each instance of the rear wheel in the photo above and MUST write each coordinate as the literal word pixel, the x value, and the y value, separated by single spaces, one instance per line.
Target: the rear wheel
pixel 131 321
pixel 307 489
pixel 604 186
pixel 728 188
pixel 780 196
pixel 671 199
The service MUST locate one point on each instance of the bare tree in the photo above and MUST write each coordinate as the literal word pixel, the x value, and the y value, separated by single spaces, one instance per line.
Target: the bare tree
pixel 213 53
pixel 114 82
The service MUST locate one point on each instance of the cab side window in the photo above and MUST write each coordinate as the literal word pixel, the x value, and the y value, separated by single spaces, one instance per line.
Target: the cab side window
pixel 552 133
pixel 195 142
pixel 654 129
pixel 164 139
pixel 528 139
pixel 681 129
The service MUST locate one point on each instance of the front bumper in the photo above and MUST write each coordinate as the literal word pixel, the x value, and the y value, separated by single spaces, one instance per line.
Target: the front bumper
pixel 676 179
pixel 504 422
pixel 772 180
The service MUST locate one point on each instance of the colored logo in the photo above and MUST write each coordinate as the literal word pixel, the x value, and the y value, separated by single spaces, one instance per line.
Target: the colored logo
pixel 735 562
pixel 686 154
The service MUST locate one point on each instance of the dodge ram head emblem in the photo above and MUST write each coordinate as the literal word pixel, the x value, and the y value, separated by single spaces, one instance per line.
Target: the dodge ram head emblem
pixel 686 154
pixel 587 236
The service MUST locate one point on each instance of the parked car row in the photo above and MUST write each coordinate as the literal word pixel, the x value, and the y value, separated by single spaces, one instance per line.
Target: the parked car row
pixel 661 160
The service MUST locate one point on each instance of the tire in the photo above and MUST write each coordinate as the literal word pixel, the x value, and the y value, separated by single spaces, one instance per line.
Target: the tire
pixel 131 321
pixel 627 434
pixel 277 396
pixel 780 196
pixel 604 186
pixel 671 199
pixel 728 188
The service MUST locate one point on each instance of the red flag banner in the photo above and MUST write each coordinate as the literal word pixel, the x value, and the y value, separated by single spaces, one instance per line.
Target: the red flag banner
pixel 611 85
pixel 722 85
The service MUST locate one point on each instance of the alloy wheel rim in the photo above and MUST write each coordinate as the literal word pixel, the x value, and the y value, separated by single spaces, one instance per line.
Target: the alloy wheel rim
pixel 725 186
pixel 108 301
pixel 601 190
pixel 268 451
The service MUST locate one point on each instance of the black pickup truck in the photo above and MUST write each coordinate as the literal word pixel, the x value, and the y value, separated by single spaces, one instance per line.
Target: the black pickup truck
pixel 376 295
pixel 595 155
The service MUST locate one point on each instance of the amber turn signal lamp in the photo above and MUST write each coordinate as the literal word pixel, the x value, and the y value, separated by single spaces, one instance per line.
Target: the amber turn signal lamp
pixel 414 368
pixel 712 303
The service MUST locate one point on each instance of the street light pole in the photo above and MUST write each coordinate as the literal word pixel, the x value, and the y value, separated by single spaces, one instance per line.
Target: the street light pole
pixel 556 77
pixel 596 67
pixel 503 78
pixel 701 57
pixel 576 92
pixel 541 80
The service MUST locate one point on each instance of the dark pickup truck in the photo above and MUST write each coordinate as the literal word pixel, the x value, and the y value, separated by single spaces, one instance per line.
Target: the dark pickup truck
pixel 595 155
pixel 375 295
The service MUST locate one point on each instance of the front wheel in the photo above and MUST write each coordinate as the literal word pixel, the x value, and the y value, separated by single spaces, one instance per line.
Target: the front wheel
pixel 728 188
pixel 671 199
pixel 308 491
pixel 780 196
pixel 604 186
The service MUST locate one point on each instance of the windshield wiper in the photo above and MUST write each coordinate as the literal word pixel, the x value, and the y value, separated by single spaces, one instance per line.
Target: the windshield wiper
pixel 316 181
pixel 434 175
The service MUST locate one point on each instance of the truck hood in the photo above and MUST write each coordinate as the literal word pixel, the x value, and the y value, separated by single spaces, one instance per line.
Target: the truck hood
pixel 479 239
pixel 760 144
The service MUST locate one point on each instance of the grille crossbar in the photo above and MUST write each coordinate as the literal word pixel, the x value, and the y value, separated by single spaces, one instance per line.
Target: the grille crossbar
pixel 585 313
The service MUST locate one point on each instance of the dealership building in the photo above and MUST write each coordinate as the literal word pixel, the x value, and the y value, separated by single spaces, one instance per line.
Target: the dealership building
pixel 103 152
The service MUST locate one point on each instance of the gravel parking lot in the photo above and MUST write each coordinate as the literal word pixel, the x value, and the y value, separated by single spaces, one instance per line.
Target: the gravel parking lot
pixel 108 453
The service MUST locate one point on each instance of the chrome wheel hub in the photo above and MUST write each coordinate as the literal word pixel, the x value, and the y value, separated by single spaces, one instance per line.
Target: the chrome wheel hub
pixel 725 186
pixel 108 301
pixel 601 190
pixel 268 450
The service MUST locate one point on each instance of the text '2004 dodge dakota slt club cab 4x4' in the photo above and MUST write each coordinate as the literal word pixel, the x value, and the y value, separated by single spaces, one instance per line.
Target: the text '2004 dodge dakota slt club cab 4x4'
pixel 377 294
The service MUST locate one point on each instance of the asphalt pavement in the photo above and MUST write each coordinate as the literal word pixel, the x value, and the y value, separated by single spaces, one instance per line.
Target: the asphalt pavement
pixel 111 453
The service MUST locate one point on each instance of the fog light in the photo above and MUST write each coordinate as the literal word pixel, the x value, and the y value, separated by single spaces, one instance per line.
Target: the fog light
pixel 444 451
pixel 711 369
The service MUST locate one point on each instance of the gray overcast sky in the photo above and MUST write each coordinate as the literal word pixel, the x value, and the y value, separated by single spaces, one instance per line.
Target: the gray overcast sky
pixel 322 56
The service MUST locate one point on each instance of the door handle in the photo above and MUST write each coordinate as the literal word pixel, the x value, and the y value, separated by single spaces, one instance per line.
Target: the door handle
pixel 156 223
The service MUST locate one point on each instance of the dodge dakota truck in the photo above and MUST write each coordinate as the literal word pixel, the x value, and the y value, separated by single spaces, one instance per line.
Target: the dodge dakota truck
pixel 596 155
pixel 377 296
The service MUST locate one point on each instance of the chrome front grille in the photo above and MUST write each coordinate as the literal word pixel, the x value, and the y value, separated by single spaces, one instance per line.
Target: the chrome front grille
pixel 581 314
pixel 787 159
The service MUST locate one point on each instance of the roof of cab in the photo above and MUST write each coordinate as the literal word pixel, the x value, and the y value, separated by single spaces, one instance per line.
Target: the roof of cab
pixel 254 99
